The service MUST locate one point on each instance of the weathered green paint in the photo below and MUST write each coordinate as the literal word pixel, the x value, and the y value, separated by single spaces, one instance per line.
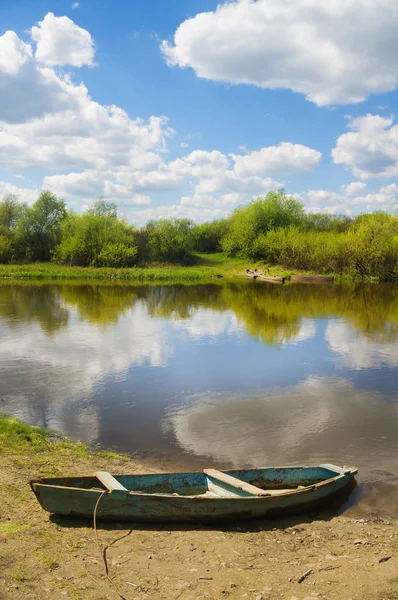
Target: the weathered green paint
pixel 188 496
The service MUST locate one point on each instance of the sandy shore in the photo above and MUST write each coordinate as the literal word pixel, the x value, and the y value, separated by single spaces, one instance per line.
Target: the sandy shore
pixel 337 558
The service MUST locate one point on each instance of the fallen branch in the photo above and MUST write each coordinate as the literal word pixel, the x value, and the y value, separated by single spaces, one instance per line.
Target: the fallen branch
pixel 304 576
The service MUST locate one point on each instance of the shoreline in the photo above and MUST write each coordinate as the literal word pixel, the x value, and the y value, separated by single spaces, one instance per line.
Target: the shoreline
pixel 207 268
pixel 343 557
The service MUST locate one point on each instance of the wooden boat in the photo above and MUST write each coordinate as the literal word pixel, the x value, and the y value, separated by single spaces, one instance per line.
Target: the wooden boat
pixel 203 496
pixel 261 276
pixel 312 279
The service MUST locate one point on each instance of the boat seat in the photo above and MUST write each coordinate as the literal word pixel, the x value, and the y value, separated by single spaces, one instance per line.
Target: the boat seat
pixel 234 482
pixel 110 482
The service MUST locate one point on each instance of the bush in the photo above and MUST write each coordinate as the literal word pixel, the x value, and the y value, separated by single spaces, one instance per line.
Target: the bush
pixel 116 255
pixel 275 211
pixel 168 240
pixel 95 240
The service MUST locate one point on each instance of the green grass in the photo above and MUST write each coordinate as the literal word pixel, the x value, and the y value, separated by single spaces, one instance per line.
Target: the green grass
pixel 18 576
pixel 12 528
pixel 44 450
pixel 207 267
pixel 15 435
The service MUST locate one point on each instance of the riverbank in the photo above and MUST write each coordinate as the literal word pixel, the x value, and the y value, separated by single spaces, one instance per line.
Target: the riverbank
pixel 50 557
pixel 206 267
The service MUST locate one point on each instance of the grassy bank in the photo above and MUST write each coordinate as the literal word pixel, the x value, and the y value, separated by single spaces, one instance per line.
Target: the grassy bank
pixel 44 453
pixel 206 267
pixel 54 557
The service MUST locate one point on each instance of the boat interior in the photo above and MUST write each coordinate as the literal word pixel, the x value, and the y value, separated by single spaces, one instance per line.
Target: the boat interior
pixel 209 483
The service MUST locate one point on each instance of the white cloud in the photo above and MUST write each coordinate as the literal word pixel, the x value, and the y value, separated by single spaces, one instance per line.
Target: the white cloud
pixel 14 53
pixel 27 195
pixel 370 149
pixel 75 5
pixel 61 42
pixel 354 188
pixel 91 150
pixel 333 52
pixel 285 158
pixel 386 199
pixel 22 78
pixel 202 178
pixel 86 136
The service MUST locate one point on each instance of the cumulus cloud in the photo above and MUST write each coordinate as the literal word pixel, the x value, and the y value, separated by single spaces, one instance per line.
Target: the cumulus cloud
pixel 285 158
pixel 333 52
pixel 61 42
pixel 22 78
pixel 354 188
pixel 348 202
pixel 27 195
pixel 92 150
pixel 370 149
pixel 203 179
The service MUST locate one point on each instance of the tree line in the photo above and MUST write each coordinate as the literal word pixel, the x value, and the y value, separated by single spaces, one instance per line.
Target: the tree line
pixel 275 229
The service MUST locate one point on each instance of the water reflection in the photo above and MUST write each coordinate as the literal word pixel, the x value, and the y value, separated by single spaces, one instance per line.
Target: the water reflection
pixel 235 373
pixel 273 314
pixel 356 351
pixel 33 304
pixel 317 420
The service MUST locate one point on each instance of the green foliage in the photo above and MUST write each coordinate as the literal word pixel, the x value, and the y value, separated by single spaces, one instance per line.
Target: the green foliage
pixel 15 434
pixel 6 248
pixel 38 230
pixel 168 240
pixel 96 240
pixel 326 222
pixel 274 230
pixel 116 255
pixel 207 236
pixel 102 208
pixel 374 245
pixel 274 211
pixel 10 211
pixel 369 247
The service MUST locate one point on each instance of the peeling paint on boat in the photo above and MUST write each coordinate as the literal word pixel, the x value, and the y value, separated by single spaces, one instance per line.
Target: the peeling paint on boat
pixel 185 497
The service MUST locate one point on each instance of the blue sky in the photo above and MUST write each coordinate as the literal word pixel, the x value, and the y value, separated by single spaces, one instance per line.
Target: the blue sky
pixel 214 105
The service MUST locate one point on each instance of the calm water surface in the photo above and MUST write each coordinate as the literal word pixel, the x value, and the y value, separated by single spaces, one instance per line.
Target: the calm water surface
pixel 233 374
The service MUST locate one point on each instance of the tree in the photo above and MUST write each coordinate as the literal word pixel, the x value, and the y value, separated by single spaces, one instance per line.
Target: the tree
pixel 102 208
pixel 39 228
pixel 10 211
pixel 207 236
pixel 274 211
pixel 98 241
pixel 168 240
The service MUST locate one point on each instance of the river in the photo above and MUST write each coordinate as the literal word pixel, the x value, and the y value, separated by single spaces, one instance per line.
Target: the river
pixel 227 374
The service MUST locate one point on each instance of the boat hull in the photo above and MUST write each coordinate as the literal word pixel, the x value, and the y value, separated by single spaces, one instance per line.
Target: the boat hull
pixel 166 507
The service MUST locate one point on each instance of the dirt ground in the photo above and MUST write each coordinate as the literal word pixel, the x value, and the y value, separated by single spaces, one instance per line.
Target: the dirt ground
pixel 312 557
